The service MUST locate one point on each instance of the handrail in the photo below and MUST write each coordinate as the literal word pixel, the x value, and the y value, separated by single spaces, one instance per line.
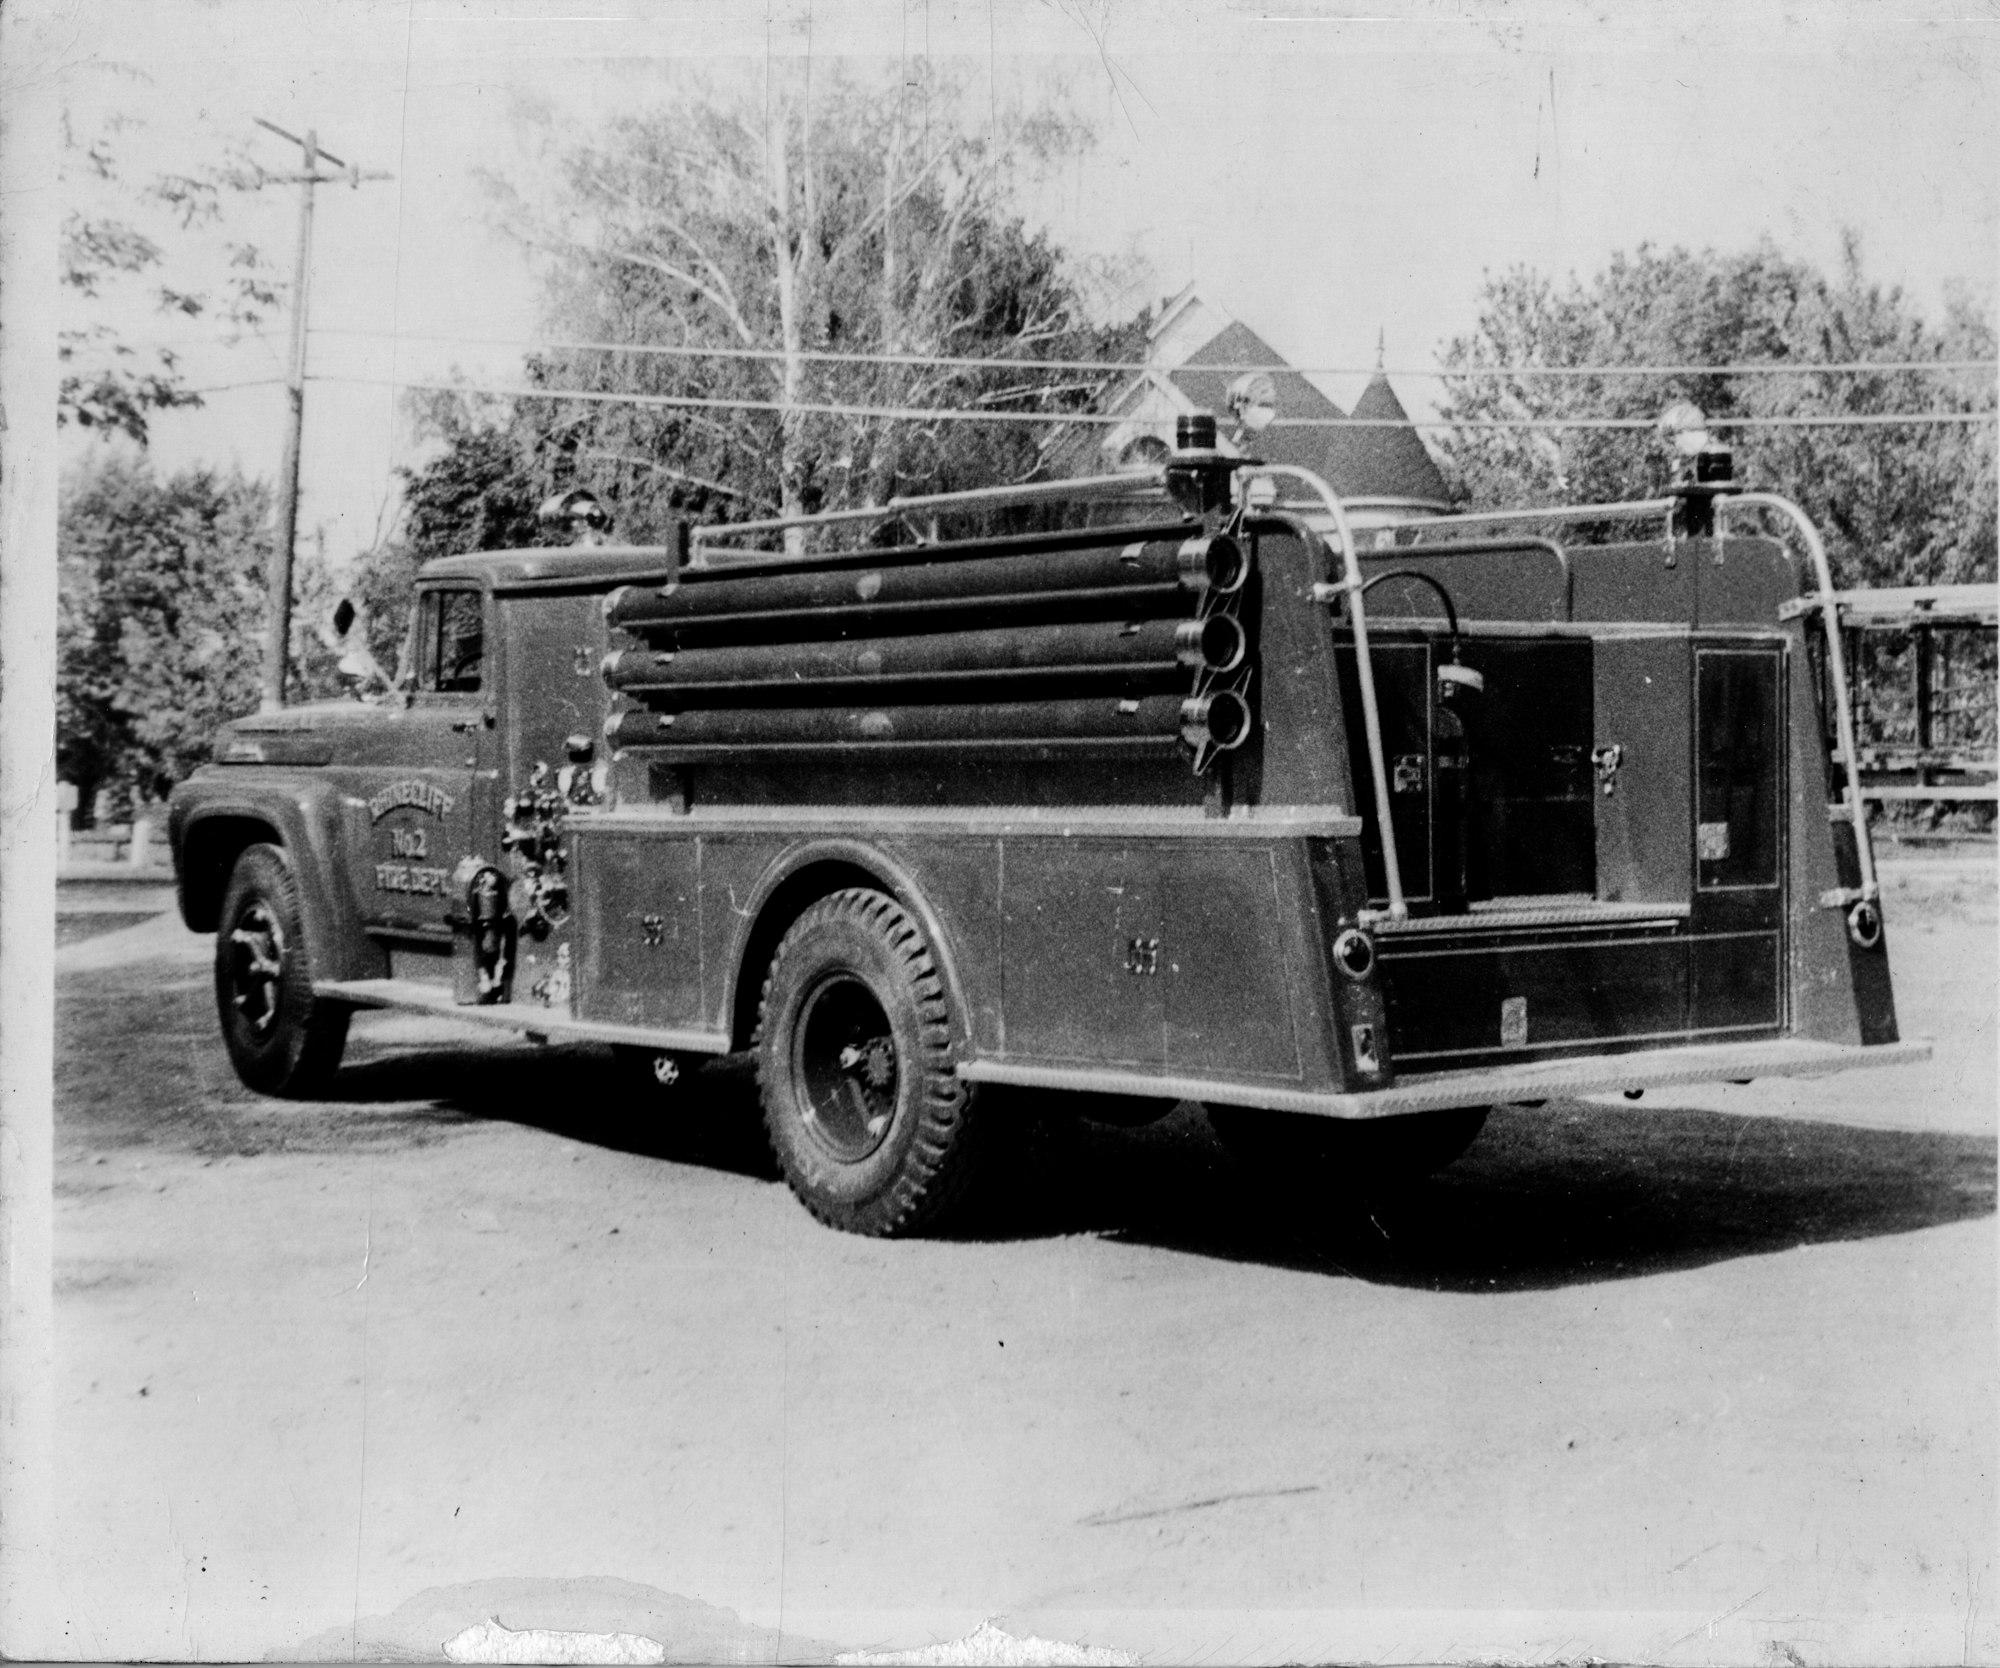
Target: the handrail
pixel 1562 512
pixel 1371 716
pixel 1034 492
pixel 1836 659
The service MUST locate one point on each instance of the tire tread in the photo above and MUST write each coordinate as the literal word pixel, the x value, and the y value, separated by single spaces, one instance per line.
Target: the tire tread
pixel 315 1032
pixel 939 1165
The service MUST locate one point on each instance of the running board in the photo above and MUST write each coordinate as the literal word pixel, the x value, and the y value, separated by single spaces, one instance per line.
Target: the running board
pixel 1654 1068
pixel 417 996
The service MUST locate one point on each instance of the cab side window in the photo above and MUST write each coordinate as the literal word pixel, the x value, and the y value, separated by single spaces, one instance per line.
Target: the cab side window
pixel 451 641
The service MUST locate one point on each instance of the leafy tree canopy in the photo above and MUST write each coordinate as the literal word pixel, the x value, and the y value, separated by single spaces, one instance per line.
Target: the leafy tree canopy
pixel 161 611
pixel 1897 504
pixel 865 217
pixel 145 243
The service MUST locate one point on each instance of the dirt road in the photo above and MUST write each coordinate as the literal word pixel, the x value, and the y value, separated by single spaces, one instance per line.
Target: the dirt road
pixel 1705 1378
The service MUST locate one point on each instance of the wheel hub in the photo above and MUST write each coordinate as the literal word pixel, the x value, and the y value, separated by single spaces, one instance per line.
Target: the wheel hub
pixel 257 963
pixel 847 1066
pixel 873 1062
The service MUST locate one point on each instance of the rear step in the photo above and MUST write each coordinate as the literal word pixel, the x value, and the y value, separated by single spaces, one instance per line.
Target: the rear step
pixel 1531 1080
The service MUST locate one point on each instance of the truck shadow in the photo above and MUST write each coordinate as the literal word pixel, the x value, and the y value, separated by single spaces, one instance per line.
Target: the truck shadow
pixel 576 1092
pixel 1565 1195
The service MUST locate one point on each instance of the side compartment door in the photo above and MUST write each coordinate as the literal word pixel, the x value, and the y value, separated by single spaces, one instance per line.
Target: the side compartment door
pixel 422 795
pixel 1739 837
pixel 1148 955
pixel 638 928
pixel 1081 966
pixel 1641 753
pixel 1225 962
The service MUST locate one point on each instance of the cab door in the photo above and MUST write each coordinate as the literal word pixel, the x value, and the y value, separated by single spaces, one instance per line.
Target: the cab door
pixel 424 795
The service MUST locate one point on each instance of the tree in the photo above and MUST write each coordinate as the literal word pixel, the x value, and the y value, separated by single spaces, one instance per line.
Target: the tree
pixel 862 219
pixel 777 223
pixel 479 492
pixel 1897 504
pixel 160 607
pixel 153 239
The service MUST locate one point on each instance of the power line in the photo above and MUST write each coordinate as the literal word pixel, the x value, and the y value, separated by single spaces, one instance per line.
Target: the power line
pixel 1849 367
pixel 927 414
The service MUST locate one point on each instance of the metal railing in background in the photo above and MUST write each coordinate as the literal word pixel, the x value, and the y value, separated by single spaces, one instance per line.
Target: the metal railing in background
pixel 1923 739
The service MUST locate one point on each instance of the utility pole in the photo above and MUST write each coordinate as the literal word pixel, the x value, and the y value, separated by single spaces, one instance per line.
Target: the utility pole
pixel 279 578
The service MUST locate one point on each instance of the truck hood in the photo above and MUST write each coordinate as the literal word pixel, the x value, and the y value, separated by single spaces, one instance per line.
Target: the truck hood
pixel 292 735
pixel 312 715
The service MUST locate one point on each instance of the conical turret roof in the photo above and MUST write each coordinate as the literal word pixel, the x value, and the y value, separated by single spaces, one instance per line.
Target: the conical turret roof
pixel 1386 463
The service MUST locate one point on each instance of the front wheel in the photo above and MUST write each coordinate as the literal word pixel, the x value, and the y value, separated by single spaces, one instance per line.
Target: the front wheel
pixel 281 1039
pixel 1353 1156
pixel 855 1063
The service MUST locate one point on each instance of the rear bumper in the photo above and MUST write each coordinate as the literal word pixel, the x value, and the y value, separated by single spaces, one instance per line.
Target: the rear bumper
pixel 1494 1085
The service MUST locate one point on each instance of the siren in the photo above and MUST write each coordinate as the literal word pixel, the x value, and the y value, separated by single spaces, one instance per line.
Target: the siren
pixel 588 520
pixel 1194 431
pixel 1707 471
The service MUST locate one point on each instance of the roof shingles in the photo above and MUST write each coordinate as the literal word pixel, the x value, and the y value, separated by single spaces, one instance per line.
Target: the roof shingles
pixel 1357 462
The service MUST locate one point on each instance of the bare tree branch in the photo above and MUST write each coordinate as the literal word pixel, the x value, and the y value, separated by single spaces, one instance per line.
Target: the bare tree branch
pixel 657 468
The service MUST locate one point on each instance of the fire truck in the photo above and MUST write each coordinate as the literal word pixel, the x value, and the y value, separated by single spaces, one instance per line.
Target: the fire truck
pixel 1104 794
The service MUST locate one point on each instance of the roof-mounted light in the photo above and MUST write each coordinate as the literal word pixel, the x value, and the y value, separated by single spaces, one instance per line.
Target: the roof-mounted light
pixel 1198 470
pixel 1707 469
pixel 1194 431
pixel 1686 426
pixel 587 519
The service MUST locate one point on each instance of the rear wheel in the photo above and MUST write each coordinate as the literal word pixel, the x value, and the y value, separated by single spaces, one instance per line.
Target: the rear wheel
pixel 1347 1155
pixel 866 1114
pixel 281 1039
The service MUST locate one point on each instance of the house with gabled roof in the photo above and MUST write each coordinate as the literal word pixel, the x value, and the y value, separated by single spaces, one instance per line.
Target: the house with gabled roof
pixel 1383 475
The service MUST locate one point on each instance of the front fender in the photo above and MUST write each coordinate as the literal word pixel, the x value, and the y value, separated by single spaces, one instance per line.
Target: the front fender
pixel 213 815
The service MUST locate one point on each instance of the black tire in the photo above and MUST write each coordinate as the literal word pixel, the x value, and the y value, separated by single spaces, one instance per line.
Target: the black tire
pixel 282 1040
pixel 866 1116
pixel 1349 1156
